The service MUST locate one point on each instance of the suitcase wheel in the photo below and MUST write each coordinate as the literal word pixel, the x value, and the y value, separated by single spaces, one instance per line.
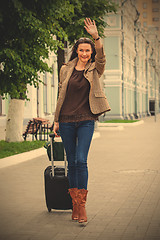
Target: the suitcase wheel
pixel 49 209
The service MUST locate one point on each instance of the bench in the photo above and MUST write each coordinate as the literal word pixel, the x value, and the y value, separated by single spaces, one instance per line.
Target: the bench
pixel 45 123
pixel 38 127
pixel 32 128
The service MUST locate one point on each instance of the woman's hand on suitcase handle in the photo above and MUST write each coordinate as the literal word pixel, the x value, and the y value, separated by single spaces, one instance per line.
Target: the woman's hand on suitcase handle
pixel 56 128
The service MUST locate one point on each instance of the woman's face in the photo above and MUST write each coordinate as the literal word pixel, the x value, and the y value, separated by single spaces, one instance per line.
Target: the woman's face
pixel 84 52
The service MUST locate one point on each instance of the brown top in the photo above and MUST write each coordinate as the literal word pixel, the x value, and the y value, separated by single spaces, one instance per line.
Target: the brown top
pixel 76 107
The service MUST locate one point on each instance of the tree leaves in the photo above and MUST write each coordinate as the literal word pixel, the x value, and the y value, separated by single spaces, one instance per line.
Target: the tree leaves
pixel 27 28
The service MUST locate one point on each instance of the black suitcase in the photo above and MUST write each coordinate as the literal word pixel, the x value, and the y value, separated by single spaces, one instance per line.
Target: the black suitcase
pixel 56 179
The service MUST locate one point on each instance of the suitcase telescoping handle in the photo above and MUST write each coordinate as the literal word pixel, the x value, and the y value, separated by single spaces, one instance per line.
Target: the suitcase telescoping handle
pixel 52 135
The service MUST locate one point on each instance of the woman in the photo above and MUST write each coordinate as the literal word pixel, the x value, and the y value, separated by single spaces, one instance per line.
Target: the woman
pixel 79 104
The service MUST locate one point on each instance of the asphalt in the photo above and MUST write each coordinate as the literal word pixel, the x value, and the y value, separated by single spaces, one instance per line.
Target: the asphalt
pixel 123 199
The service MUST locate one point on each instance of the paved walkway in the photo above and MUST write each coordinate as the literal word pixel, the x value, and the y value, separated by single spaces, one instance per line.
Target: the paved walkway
pixel 124 192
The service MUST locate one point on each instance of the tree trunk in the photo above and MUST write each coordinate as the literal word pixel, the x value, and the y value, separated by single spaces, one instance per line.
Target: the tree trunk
pixel 14 125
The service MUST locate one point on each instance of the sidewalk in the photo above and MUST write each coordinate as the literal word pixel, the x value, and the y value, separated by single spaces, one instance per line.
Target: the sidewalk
pixel 123 199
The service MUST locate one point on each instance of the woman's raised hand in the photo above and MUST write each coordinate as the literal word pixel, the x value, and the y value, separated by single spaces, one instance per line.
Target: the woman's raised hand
pixel 91 28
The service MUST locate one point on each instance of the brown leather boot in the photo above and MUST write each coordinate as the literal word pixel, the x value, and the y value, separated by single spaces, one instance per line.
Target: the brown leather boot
pixel 73 193
pixel 82 197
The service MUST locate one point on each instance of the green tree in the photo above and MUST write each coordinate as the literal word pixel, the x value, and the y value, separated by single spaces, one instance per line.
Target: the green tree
pixel 27 28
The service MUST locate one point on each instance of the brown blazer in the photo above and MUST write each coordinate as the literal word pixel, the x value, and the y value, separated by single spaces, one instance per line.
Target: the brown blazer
pixel 93 70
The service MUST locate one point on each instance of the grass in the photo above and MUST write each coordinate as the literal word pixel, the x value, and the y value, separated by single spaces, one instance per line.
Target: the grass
pixel 120 121
pixel 9 149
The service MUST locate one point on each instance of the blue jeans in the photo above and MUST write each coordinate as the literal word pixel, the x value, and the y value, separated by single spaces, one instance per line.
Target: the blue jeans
pixel 76 137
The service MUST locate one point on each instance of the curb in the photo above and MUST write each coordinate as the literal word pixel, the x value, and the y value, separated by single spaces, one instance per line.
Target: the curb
pixel 26 156
pixel 21 157
pixel 110 128
pixel 120 124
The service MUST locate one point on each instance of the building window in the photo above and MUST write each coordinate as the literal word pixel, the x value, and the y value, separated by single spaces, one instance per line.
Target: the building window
pixel 144 15
pixel 144 5
pixel 155 19
pixel 144 24
pixel 52 90
pixel 157 28
pixel 155 1
pixel 155 10
pixel 45 92
pixel 52 78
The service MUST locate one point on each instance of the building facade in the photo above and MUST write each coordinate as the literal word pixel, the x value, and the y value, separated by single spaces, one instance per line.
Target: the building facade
pixel 131 78
pixel 149 14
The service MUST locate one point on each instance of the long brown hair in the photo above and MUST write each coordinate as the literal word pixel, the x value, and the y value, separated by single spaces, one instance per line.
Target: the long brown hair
pixel 83 40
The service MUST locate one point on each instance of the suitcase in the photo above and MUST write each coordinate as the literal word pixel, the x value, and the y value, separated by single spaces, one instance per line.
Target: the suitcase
pixel 56 179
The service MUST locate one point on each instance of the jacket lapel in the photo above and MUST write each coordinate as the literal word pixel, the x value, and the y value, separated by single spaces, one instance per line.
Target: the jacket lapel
pixel 70 67
pixel 90 66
